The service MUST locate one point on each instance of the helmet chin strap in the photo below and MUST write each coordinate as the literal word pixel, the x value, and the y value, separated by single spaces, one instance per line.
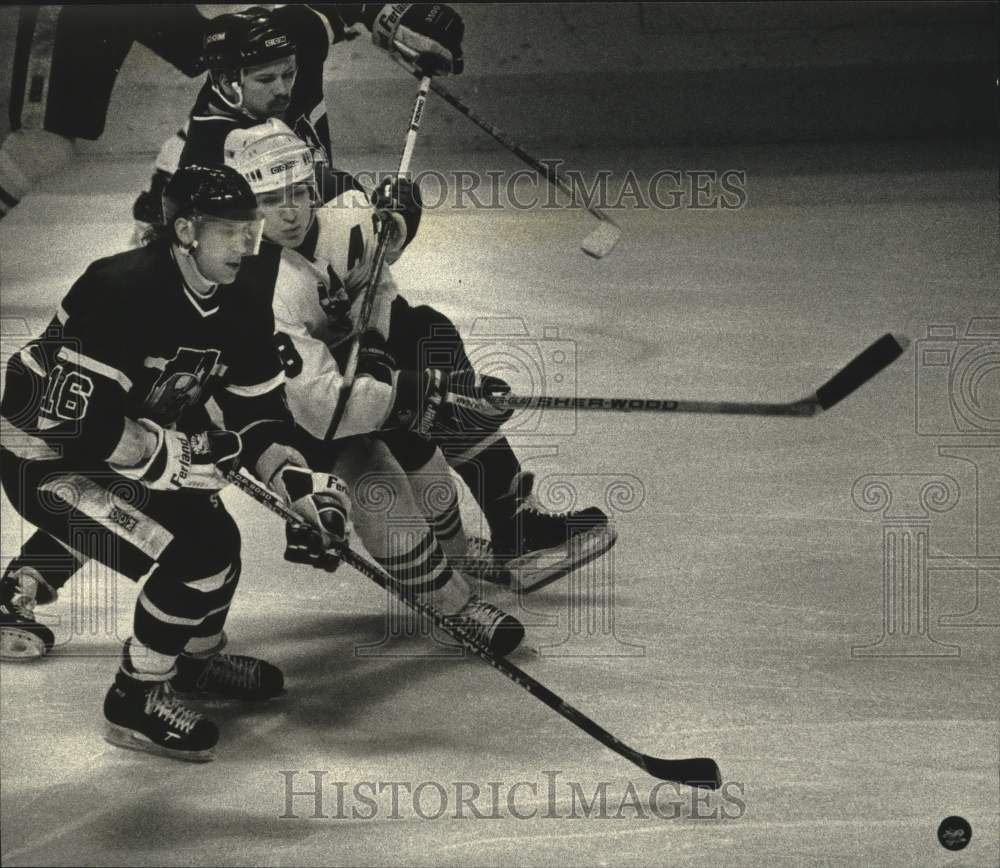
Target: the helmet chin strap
pixel 191 262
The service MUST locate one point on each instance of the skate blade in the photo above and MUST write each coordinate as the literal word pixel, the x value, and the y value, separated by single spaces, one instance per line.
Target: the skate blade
pixel 540 569
pixel 122 736
pixel 17 644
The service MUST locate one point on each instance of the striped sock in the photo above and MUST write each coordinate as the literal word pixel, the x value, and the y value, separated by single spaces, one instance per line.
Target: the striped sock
pixel 448 530
pixel 423 569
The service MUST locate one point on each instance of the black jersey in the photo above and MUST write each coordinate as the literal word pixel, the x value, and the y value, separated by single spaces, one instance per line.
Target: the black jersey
pixel 212 120
pixel 131 339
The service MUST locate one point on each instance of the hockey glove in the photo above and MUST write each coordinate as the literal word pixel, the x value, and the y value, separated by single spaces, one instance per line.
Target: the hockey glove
pixel 179 460
pixel 399 199
pixel 433 403
pixel 319 500
pixel 374 357
pixel 424 34
pixel 468 410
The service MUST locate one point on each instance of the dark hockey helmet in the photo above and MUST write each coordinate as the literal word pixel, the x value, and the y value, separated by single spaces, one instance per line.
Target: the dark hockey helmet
pixel 237 40
pixel 218 191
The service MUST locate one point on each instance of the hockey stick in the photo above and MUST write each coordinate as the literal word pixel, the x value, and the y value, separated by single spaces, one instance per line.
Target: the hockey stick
pixel 851 377
pixel 378 261
pixel 694 772
pixel 598 243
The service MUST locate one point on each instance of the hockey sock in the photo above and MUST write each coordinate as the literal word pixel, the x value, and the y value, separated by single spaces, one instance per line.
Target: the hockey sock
pixel 489 476
pixel 50 560
pixel 145 663
pixel 218 599
pixel 448 529
pixel 205 646
pixel 434 488
pixel 169 611
pixel 423 570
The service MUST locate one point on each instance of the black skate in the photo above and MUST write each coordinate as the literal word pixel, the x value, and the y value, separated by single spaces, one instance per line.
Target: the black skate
pixel 227 676
pixel 21 636
pixel 145 715
pixel 538 546
pixel 488 626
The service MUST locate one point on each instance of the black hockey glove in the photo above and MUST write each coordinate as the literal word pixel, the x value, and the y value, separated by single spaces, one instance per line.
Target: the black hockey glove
pixel 468 410
pixel 435 403
pixel 399 199
pixel 427 35
pixel 374 358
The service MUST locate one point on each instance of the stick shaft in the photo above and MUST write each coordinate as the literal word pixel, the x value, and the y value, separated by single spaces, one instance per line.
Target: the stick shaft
pixel 381 247
pixel 699 771
pixel 806 407
pixel 874 359
pixel 549 171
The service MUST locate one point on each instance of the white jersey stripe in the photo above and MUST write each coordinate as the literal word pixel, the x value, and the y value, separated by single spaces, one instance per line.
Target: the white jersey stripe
pixel 258 389
pixel 75 358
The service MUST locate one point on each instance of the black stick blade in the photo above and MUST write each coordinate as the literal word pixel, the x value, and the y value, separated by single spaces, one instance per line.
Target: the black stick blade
pixel 876 358
pixel 695 772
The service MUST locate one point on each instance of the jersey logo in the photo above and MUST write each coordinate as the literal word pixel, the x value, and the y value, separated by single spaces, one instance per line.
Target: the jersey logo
pixel 336 305
pixel 332 295
pixel 181 382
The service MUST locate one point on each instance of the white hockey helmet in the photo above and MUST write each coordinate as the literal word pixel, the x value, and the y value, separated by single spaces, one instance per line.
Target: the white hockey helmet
pixel 270 156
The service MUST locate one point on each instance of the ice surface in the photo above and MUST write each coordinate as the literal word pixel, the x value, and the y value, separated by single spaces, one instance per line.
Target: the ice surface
pixel 744 574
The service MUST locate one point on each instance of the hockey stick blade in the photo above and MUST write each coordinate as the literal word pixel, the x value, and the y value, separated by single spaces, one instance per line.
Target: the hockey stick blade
pixel 699 771
pixel 602 240
pixel 856 373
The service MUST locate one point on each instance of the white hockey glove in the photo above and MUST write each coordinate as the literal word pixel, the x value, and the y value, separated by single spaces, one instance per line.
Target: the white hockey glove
pixel 179 460
pixel 427 35
pixel 321 502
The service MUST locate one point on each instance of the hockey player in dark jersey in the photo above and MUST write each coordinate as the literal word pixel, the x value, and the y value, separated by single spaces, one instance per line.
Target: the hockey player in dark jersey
pixel 108 449
pixel 67 58
pixel 263 64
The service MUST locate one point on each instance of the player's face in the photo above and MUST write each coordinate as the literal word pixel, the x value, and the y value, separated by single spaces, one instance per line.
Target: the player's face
pixel 222 244
pixel 288 213
pixel 267 89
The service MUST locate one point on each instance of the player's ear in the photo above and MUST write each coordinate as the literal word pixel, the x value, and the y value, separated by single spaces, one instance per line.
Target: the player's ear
pixel 184 230
pixel 229 84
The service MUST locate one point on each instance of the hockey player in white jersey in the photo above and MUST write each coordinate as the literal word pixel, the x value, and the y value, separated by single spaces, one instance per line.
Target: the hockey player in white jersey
pixel 320 280
pixel 318 263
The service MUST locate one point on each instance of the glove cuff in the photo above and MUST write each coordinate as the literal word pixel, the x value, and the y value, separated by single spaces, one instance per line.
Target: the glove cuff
pixel 272 460
pixel 385 22
pixel 138 430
